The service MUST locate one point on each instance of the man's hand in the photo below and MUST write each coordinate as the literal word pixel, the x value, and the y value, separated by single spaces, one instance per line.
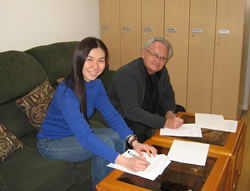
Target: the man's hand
pixel 172 121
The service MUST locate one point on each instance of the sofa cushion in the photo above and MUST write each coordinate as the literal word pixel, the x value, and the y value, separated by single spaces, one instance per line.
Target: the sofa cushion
pixel 55 58
pixel 36 102
pixel 14 119
pixel 19 73
pixel 8 142
pixel 29 170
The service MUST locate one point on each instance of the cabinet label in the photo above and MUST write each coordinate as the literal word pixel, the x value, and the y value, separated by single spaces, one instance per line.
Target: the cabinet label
pixel 197 30
pixel 171 30
pixel 223 31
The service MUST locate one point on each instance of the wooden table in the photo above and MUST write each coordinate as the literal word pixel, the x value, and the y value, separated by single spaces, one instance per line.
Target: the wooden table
pixel 212 177
pixel 224 143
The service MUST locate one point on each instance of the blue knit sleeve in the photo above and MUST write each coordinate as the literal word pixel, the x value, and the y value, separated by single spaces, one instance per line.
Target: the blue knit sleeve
pixel 110 114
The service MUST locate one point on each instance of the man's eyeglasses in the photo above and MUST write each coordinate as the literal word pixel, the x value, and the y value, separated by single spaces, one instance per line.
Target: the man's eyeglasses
pixel 155 56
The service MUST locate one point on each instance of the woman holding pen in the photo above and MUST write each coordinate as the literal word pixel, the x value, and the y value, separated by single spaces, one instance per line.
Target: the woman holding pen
pixel 66 134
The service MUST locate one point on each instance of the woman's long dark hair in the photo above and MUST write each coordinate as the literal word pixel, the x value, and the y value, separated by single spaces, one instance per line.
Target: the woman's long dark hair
pixel 75 79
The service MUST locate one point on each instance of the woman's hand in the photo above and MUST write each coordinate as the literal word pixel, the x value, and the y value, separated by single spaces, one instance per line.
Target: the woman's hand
pixel 134 164
pixel 138 163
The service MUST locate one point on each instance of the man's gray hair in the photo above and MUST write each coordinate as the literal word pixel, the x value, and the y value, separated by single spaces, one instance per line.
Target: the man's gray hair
pixel 148 43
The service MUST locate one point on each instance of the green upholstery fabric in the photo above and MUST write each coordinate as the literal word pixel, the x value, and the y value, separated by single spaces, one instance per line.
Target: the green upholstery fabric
pixel 19 73
pixel 55 58
pixel 32 171
pixel 37 173
pixel 14 119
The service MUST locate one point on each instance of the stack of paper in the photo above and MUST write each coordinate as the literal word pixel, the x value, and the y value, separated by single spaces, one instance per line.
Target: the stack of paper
pixel 215 122
pixel 156 167
pixel 185 130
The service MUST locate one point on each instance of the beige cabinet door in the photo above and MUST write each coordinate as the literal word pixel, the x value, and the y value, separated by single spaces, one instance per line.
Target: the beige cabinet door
pixel 152 19
pixel 110 30
pixel 227 97
pixel 176 31
pixel 201 55
pixel 130 27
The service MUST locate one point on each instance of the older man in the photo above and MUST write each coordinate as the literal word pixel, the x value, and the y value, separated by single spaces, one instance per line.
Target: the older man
pixel 142 92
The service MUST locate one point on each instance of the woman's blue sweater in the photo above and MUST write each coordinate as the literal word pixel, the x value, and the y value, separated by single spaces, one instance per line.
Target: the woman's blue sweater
pixel 64 118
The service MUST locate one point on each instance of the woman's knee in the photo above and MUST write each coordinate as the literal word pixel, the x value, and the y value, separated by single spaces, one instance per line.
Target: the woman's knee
pixel 63 149
pixel 109 136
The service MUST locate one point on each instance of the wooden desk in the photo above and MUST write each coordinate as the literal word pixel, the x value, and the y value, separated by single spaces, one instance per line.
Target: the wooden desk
pixel 212 177
pixel 224 143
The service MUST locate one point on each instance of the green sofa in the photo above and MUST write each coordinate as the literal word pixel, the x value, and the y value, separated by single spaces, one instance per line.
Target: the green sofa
pixel 25 169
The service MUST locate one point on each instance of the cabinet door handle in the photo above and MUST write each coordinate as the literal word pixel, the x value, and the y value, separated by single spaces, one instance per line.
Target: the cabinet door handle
pixel 197 30
pixel 171 30
pixel 148 29
pixel 125 28
pixel 105 27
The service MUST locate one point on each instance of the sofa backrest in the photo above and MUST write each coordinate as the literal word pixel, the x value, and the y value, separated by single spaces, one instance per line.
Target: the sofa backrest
pixel 19 74
pixel 55 58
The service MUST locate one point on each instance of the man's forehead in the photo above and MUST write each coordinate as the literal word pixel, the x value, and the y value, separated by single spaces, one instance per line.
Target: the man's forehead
pixel 157 44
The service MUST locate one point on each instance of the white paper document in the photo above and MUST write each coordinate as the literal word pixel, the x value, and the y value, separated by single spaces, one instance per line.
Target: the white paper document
pixel 231 126
pixel 156 167
pixel 185 130
pixel 209 121
pixel 215 122
pixel 189 152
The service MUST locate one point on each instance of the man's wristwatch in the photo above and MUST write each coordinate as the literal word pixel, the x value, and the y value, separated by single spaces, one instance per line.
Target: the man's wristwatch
pixel 130 139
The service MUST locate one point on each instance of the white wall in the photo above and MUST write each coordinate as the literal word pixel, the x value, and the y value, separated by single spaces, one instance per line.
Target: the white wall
pixel 28 23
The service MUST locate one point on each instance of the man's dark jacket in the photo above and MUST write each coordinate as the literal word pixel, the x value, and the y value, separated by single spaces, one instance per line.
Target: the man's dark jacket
pixel 127 92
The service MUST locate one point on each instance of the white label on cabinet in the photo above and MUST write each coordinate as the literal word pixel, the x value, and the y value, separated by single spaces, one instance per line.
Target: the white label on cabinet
pixel 223 31
pixel 171 30
pixel 125 28
pixel 148 29
pixel 104 27
pixel 197 30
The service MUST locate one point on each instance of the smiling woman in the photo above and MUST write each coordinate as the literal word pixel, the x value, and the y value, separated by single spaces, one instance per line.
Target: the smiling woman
pixel 66 134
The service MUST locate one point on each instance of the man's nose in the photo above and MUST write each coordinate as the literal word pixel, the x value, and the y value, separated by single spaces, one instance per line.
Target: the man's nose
pixel 157 59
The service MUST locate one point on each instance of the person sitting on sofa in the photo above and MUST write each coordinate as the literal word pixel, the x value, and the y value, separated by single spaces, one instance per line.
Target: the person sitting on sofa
pixel 66 134
pixel 142 92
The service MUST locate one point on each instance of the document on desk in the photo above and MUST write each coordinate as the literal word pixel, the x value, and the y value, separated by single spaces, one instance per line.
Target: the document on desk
pixel 185 130
pixel 156 167
pixel 215 122
pixel 189 152
pixel 231 126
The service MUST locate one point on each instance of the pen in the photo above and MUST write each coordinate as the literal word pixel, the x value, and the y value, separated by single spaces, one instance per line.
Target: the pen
pixel 133 155
pixel 138 157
